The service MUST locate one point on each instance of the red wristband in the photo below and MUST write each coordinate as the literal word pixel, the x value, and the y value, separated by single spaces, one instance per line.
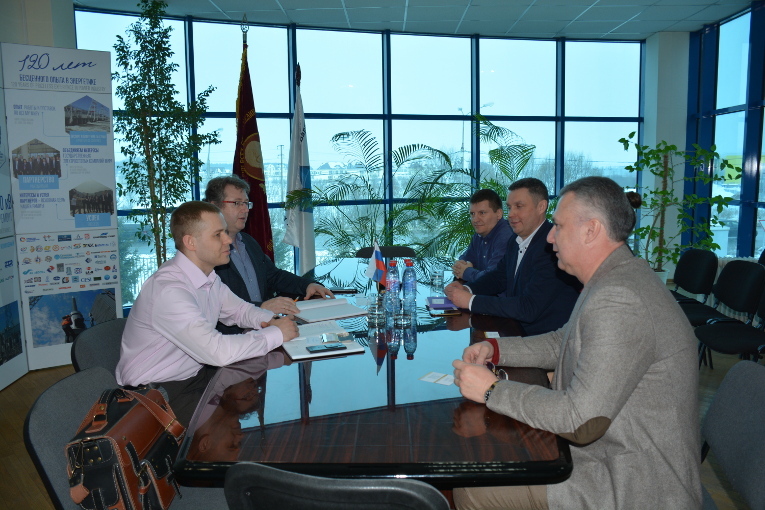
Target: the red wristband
pixel 495 358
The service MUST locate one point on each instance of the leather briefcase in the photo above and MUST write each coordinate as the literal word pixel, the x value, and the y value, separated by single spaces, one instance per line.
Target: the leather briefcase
pixel 123 453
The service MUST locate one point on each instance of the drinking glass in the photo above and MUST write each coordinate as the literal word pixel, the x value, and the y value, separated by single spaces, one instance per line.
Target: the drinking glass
pixel 437 282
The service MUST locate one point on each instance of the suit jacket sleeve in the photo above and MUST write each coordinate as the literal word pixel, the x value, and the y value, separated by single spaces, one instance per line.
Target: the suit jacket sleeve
pixel 612 328
pixel 272 280
pixel 494 281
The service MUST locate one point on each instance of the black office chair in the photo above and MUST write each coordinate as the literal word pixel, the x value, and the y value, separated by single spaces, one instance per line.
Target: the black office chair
pixel 251 486
pixel 388 252
pixel 733 429
pixel 731 336
pixel 53 420
pixel 738 287
pixel 695 273
pixel 99 346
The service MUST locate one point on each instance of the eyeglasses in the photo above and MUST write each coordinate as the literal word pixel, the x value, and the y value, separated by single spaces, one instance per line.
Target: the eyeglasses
pixel 499 372
pixel 237 203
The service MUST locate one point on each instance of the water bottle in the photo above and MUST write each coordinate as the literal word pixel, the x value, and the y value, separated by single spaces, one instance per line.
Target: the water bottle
pixel 392 286
pixel 409 283
pixel 401 324
pixel 410 339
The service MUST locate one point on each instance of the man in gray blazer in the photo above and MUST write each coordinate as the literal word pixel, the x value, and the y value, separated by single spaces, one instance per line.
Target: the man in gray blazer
pixel 624 391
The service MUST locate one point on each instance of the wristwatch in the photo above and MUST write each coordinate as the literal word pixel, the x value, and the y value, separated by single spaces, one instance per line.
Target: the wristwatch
pixel 488 392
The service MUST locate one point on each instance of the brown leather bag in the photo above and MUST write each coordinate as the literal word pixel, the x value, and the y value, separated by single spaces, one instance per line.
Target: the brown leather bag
pixel 123 453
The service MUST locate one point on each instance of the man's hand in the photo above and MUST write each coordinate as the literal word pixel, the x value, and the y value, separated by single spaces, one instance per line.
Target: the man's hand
pixel 316 289
pixel 459 267
pixel 280 305
pixel 458 294
pixel 478 353
pixel 472 380
pixel 287 326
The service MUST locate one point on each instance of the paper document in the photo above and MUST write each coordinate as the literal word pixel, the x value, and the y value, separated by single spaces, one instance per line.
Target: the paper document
pixel 327 309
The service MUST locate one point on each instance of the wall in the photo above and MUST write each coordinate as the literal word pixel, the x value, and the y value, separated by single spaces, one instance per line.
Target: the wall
pixel 38 22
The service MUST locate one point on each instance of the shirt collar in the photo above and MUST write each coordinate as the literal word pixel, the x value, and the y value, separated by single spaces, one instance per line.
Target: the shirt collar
pixel 523 243
pixel 196 276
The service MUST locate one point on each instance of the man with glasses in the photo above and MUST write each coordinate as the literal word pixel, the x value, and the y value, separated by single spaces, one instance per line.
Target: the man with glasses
pixel 626 373
pixel 250 273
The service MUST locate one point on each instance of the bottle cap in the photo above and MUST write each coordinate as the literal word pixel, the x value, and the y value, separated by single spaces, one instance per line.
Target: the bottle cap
pixel 410 356
pixel 392 263
pixel 408 262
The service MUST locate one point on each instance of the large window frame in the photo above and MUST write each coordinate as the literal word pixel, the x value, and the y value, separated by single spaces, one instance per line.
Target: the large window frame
pixel 703 113
pixel 559 118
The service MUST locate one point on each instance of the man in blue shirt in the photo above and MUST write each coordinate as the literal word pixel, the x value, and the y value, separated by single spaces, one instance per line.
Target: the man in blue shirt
pixel 487 247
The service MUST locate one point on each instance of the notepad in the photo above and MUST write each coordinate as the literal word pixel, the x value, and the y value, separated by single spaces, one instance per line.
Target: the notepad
pixel 441 303
pixel 316 310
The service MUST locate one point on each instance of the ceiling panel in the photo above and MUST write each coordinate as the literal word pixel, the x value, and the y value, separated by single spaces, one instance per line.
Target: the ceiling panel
pixel 523 18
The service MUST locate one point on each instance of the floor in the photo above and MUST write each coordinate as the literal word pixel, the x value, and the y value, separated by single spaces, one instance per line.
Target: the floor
pixel 21 487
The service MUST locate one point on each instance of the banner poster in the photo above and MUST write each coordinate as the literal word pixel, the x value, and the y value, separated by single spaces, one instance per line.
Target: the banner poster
pixel 69 283
pixel 58 110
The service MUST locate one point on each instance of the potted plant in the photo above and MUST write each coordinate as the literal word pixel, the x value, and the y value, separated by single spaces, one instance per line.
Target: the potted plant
pixel 159 135
pixel 667 210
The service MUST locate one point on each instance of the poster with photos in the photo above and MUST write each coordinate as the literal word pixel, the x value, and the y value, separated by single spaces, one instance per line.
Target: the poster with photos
pixel 60 139
pixel 69 283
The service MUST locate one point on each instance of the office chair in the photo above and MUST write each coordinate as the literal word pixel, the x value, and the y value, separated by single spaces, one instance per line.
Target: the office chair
pixel 738 287
pixel 695 273
pixel 733 429
pixel 99 346
pixel 731 336
pixel 251 486
pixel 53 420
pixel 388 252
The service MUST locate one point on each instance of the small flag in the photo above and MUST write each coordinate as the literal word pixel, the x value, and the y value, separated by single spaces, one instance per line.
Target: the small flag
pixel 376 270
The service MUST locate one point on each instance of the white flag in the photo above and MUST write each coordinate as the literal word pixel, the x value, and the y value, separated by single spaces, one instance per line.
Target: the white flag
pixel 299 222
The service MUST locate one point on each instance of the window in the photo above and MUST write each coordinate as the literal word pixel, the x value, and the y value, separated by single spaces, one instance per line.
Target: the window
pixel 343 84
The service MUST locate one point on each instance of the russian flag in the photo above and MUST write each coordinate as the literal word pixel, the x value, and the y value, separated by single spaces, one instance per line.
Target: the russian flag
pixel 376 269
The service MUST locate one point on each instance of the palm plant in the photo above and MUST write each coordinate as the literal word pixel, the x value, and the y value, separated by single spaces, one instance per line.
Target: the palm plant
pixel 433 211
pixel 508 157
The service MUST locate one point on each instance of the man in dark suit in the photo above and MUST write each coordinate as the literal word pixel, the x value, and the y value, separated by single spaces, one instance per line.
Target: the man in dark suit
pixel 250 273
pixel 537 293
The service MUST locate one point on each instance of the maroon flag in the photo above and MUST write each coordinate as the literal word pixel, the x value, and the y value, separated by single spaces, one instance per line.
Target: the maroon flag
pixel 248 162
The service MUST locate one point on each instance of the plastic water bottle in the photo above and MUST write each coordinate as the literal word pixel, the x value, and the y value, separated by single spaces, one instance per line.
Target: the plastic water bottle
pixel 409 283
pixel 392 287
pixel 410 339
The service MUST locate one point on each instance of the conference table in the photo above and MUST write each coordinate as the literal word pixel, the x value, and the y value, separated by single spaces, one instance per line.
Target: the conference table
pixel 370 415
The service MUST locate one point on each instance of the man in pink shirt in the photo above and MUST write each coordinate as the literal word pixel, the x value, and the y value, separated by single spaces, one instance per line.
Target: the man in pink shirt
pixel 170 336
